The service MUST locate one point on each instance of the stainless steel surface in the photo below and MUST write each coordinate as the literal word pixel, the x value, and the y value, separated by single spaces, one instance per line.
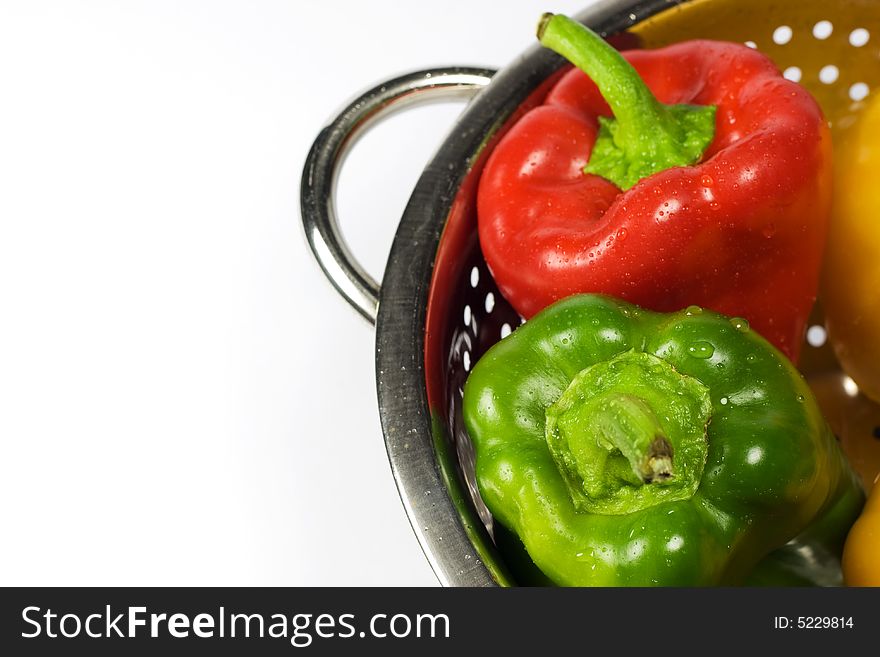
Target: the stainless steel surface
pixel 327 155
pixel 431 477
pixel 443 516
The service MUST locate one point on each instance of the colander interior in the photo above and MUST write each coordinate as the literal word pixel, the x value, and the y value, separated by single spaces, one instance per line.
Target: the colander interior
pixel 833 49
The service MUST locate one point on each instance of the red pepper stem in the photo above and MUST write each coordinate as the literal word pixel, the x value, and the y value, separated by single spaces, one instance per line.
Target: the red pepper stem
pixel 645 136
pixel 636 109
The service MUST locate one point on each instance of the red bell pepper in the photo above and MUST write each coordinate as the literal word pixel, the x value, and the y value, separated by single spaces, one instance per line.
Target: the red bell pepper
pixel 710 186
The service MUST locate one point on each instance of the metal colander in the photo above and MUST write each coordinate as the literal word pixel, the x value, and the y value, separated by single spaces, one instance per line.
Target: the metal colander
pixel 438 309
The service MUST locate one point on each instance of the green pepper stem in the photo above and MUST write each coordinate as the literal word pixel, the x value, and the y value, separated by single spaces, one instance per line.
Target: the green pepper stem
pixel 645 135
pixel 628 433
pixel 626 423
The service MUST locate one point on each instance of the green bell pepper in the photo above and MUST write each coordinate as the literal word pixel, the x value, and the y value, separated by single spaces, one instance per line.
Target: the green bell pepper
pixel 630 448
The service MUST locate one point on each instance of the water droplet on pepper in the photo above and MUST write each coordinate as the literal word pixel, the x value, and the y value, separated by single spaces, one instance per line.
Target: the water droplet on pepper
pixel 701 349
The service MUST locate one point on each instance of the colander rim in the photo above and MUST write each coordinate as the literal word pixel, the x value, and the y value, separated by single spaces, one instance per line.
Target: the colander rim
pixel 444 535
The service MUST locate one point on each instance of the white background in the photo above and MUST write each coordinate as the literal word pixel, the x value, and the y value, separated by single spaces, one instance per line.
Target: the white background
pixel 183 398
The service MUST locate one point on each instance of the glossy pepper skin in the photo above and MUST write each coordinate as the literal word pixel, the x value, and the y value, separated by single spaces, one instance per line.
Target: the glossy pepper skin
pixel 694 450
pixel 861 556
pixel 739 230
pixel 851 276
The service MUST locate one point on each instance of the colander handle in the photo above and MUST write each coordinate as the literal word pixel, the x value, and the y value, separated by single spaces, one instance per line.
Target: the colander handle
pixel 321 172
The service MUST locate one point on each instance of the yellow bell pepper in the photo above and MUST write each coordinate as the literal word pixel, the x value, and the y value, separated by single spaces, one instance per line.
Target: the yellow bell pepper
pixel 851 276
pixel 861 554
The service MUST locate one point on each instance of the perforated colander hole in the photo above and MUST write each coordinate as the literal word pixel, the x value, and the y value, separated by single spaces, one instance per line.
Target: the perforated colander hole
pixel 792 73
pixel 782 35
pixel 850 387
pixel 475 277
pixel 859 37
pixel 822 30
pixel 469 319
pixel 466 361
pixel 816 335
pixel 829 74
pixel 490 302
pixel 859 91
pixel 751 44
pixel 505 330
